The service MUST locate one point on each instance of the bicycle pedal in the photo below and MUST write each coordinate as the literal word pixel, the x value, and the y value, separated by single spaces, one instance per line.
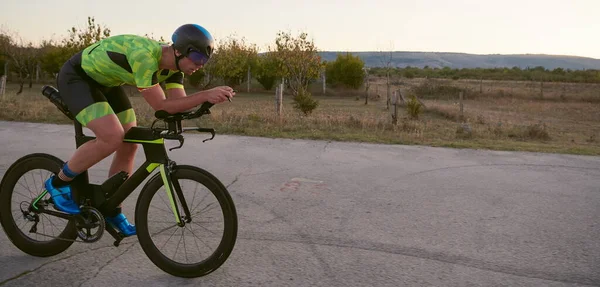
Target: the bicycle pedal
pixel 118 236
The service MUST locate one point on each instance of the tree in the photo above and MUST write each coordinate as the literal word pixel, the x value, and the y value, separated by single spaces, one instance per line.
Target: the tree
pixel 232 59
pixel 55 54
pixel 347 70
pixel 4 41
pixel 23 57
pixel 161 39
pixel 79 39
pixel 386 61
pixel 266 72
pixel 298 60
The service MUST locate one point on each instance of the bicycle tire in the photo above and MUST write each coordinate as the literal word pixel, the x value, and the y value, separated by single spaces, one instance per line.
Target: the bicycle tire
pixel 16 236
pixel 226 245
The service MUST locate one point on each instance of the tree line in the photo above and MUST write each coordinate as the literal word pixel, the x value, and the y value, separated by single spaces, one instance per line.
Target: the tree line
pixel 500 74
pixel 291 59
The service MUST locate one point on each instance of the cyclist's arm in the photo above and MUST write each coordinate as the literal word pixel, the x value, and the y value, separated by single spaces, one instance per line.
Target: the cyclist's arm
pixel 155 96
pixel 145 72
pixel 174 86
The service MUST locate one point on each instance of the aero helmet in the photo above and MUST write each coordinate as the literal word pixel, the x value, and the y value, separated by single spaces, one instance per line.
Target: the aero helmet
pixel 193 41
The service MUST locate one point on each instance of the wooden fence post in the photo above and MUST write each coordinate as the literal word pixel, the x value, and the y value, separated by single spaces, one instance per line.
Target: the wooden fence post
pixel 279 100
pixel 481 85
pixel 6 69
pixel 324 83
pixel 395 99
pixel 460 95
pixel 2 85
pixel 367 93
pixel 248 86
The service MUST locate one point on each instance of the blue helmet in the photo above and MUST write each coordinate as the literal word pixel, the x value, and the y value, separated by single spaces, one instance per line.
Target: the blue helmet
pixel 193 38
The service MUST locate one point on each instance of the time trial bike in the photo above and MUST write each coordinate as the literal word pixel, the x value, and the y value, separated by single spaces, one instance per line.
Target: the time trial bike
pixel 161 211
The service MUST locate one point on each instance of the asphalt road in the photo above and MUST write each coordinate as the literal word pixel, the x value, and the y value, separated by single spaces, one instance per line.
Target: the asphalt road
pixel 317 213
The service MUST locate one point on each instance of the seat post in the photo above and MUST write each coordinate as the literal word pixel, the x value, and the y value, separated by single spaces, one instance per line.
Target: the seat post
pixel 78 129
pixel 80 138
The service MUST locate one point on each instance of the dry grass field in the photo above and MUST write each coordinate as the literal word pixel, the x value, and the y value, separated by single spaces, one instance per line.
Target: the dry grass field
pixel 496 115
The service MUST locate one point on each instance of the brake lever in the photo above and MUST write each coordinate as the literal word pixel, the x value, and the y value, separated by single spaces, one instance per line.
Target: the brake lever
pixel 181 139
pixel 210 130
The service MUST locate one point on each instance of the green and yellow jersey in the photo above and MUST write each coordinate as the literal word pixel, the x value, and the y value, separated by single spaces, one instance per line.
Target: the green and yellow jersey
pixel 128 59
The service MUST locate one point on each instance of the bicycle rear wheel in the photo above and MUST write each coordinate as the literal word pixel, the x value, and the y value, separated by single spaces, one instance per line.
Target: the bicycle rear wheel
pixel 17 192
pixel 157 225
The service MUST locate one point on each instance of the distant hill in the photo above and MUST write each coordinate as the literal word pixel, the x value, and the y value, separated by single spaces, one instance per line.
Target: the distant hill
pixel 463 60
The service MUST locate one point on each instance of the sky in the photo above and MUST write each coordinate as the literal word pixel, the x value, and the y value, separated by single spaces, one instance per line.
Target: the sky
pixel 558 27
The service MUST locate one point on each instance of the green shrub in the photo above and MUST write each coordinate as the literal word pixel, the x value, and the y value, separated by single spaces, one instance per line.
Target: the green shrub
pixel 346 70
pixel 537 131
pixel 414 107
pixel 304 102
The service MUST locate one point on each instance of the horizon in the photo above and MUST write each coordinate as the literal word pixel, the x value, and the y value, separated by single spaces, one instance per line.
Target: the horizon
pixel 534 27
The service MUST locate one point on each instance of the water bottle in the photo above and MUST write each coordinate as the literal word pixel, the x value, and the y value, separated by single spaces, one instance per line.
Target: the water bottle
pixel 54 96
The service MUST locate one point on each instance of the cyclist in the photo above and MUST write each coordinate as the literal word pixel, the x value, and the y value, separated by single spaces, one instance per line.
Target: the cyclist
pixel 91 85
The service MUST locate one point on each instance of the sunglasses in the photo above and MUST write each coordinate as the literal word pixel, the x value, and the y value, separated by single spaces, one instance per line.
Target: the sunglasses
pixel 197 58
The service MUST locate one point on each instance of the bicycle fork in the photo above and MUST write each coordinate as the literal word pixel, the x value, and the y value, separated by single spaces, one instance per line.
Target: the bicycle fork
pixel 173 190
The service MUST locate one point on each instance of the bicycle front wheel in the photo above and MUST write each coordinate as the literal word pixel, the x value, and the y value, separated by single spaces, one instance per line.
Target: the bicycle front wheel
pixel 201 238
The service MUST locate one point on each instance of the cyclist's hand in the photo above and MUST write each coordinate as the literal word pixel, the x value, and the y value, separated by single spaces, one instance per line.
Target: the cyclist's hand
pixel 220 94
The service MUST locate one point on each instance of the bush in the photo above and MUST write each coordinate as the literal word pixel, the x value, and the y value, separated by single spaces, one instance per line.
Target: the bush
pixel 304 102
pixel 464 131
pixel 413 107
pixel 346 70
pixel 537 131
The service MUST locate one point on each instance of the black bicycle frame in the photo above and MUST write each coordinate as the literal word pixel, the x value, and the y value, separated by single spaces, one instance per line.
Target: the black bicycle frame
pixel 107 198
pixel 110 194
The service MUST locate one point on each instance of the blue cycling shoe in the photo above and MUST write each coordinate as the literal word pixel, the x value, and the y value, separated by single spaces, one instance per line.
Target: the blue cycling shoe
pixel 120 223
pixel 62 197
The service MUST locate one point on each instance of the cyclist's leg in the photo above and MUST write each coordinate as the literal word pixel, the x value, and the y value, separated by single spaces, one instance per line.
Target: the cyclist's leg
pixel 125 154
pixel 85 99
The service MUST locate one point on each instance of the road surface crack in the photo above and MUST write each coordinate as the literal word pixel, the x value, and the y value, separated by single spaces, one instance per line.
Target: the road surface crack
pixel 528 272
pixel 25 273
pixel 107 263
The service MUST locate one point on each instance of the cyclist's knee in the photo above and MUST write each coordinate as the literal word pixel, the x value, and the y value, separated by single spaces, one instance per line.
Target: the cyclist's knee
pixel 108 132
pixel 112 140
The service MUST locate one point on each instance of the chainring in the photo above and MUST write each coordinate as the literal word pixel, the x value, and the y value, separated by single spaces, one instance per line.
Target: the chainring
pixel 87 220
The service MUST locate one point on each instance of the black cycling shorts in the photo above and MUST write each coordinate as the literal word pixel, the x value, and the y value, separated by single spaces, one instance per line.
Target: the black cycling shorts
pixel 87 99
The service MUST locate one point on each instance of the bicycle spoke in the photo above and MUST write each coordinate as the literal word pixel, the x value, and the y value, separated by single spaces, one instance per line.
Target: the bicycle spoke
pixel 194 198
pixel 177 248
pixel 162 222
pixel 168 205
pixel 166 211
pixel 205 209
pixel 204 228
pixel 165 229
pixel 196 243
pixel 194 234
pixel 184 247
pixel 205 195
pixel 169 238
pixel 26 187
